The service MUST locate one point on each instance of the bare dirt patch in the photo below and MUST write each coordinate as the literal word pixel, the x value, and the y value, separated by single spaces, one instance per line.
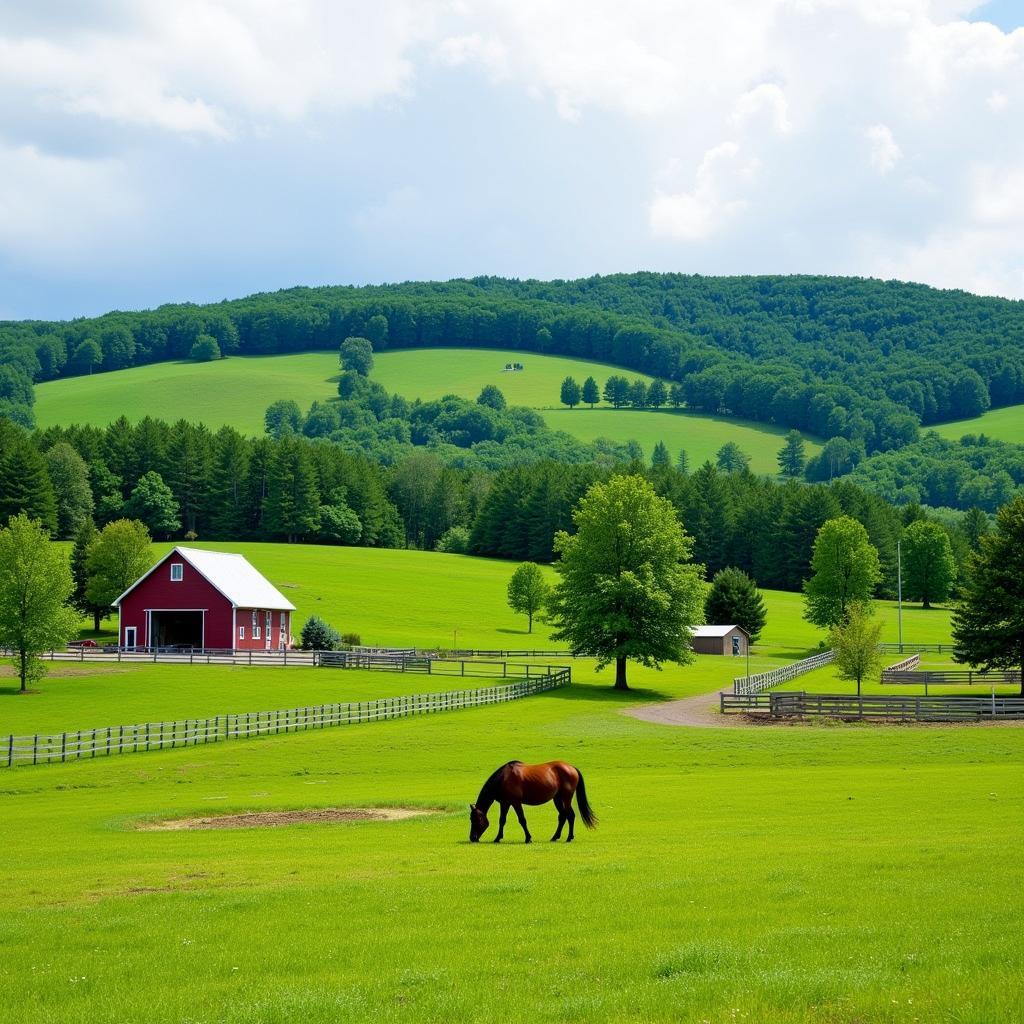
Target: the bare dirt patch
pixel 277 819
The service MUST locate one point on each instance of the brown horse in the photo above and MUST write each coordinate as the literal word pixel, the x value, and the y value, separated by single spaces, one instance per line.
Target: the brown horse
pixel 515 784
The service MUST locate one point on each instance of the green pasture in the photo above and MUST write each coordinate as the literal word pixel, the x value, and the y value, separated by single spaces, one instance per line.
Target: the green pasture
pixel 431 373
pixel 429 599
pixel 818 874
pixel 236 391
pixel 232 392
pixel 1006 424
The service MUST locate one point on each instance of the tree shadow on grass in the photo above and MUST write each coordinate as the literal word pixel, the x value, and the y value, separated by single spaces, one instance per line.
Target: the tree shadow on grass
pixel 605 693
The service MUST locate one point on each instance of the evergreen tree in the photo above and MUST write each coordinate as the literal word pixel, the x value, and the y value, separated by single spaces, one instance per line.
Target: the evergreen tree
pixel 683 461
pixel 189 465
pixel 229 493
pixel 292 508
pixel 734 600
pixel 805 512
pixel 591 393
pixel 317 635
pixel 570 394
pixel 988 623
pixel 731 458
pixel 844 569
pixel 929 569
pixel 793 455
pixel 660 456
pixel 25 485
pixel 706 515
pixel 975 526
pixel 84 540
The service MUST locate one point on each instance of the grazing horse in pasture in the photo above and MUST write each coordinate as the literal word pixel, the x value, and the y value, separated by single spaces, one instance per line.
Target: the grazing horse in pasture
pixel 515 784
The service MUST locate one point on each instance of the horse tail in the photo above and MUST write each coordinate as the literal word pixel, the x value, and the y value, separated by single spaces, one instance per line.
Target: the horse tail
pixel 586 811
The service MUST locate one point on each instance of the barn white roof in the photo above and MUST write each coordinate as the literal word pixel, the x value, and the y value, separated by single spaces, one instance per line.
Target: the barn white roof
pixel 232 575
pixel 716 630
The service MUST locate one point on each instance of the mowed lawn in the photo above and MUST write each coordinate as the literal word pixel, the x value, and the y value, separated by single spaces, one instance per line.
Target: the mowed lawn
pixel 1006 424
pixel 818 874
pixel 236 392
pixel 429 599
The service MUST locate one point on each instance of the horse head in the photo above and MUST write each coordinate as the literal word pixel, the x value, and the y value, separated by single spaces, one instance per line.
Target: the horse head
pixel 478 823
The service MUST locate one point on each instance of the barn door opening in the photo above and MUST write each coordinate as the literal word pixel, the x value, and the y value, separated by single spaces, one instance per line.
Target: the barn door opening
pixel 177 629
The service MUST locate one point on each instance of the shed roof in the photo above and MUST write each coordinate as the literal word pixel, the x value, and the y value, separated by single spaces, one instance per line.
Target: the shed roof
pixel 229 573
pixel 717 630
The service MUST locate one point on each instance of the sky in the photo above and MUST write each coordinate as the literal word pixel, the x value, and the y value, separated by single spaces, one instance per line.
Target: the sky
pixel 157 152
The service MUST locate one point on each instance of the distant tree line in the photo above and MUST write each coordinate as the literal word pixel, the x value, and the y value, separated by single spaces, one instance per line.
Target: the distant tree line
pixel 867 361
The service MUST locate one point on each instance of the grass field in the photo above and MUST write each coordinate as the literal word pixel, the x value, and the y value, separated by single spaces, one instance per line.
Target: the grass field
pixel 772 875
pixel 1006 424
pixel 458 601
pixel 236 391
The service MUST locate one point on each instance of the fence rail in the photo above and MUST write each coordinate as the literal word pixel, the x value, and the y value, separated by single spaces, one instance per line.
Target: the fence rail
pixel 907 665
pixel 916 648
pixel 733 703
pixel 788 704
pixel 949 677
pixel 123 739
pixel 766 680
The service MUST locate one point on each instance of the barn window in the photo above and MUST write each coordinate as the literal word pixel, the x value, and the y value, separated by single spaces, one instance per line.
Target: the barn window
pixel 255 632
pixel 177 572
pixel 241 632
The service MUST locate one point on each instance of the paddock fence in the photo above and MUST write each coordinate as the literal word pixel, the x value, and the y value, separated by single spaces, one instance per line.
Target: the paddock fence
pixel 950 677
pixel 905 667
pixel 795 704
pixel 916 648
pixel 766 680
pixel 126 739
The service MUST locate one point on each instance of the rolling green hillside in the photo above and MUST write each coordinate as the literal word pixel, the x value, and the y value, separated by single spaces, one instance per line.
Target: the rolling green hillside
pixel 436 600
pixel 236 391
pixel 229 392
pixel 1006 424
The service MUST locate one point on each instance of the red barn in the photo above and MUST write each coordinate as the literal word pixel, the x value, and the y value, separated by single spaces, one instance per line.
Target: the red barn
pixel 196 598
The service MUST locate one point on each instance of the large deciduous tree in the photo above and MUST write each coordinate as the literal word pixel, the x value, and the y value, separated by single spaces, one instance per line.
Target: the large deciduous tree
pixel 855 641
pixel 929 568
pixel 357 355
pixel 120 555
pixel 591 393
pixel 627 587
pixel 988 623
pixel 570 393
pixel 845 569
pixel 528 591
pixel 152 503
pixel 35 587
pixel 734 600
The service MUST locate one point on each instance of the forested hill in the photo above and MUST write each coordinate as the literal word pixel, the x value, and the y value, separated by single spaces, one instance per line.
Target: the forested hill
pixel 862 359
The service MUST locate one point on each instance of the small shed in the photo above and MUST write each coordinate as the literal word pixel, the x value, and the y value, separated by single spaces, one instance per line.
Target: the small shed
pixel 733 640
pixel 193 598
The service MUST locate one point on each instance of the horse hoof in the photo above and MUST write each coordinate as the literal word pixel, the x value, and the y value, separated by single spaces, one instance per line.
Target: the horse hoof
pixel 569 840
pixel 498 839
pixel 529 839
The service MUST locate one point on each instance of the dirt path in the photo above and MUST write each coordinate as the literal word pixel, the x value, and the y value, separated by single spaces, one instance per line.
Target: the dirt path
pixel 700 711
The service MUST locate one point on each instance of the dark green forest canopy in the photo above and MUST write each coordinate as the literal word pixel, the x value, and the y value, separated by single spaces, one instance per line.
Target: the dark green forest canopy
pixel 857 358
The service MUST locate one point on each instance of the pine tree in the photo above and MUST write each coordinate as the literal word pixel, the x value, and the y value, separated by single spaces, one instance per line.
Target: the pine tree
pixel 706 516
pixel 84 540
pixel 591 393
pixel 70 478
pixel 793 456
pixel 683 461
pixel 189 464
pixel 229 494
pixel 292 508
pixel 25 485
pixel 731 458
pixel 734 600
pixel 660 456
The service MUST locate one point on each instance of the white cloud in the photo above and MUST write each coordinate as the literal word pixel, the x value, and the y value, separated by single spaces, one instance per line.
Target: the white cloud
pixel 883 152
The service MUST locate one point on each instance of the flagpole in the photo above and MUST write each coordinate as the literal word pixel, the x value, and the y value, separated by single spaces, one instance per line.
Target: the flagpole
pixel 899 595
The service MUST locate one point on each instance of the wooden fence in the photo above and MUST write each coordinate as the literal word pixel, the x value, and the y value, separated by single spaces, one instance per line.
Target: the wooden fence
pixel 910 708
pixel 949 677
pixel 918 648
pixel 907 665
pixel 794 704
pixel 766 680
pixel 124 739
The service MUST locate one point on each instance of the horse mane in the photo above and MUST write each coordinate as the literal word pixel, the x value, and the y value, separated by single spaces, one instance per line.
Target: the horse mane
pixel 488 788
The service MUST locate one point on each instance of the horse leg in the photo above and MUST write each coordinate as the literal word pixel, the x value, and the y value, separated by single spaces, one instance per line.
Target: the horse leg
pixel 561 818
pixel 522 821
pixel 570 816
pixel 501 824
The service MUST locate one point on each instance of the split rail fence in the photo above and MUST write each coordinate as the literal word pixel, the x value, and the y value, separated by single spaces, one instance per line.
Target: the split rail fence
pixel 766 680
pixel 125 739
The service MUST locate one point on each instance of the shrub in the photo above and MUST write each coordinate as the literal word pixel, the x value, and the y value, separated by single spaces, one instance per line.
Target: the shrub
pixel 352 639
pixel 205 349
pixel 455 541
pixel 318 635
